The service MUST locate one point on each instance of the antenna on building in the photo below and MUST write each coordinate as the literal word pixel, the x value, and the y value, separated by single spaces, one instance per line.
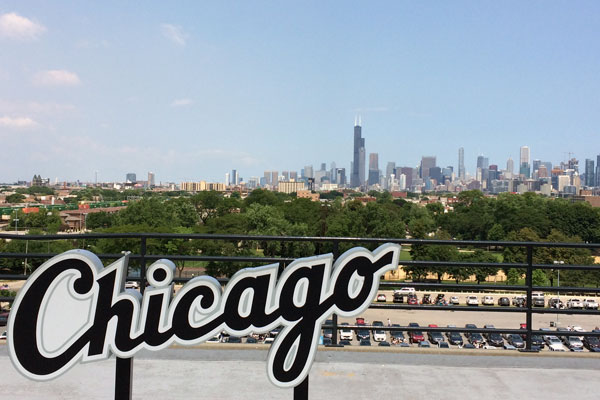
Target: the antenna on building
pixel 359 121
pixel 355 120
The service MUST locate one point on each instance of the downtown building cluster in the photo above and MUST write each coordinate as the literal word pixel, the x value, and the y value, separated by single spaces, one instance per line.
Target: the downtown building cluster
pixel 525 175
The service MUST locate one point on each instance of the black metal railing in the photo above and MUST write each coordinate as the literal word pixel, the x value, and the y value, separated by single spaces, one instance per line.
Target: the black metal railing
pixel 124 367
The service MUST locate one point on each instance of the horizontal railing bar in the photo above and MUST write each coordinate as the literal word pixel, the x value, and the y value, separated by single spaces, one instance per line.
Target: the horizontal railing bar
pixel 460 264
pixel 460 330
pixel 294 239
pixel 417 285
pixel 508 309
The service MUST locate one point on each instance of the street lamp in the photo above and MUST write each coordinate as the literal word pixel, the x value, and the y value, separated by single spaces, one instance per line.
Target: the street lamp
pixel 558 287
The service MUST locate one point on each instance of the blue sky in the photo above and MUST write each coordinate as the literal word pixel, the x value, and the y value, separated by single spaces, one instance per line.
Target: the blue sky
pixel 190 90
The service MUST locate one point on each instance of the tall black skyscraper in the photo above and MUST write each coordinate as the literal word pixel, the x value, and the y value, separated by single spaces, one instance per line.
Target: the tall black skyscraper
pixel 358 165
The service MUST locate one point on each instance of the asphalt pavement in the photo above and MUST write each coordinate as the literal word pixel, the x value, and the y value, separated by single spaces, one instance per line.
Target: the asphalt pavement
pixel 227 371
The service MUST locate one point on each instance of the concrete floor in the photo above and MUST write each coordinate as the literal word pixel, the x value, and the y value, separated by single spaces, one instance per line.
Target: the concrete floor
pixel 234 372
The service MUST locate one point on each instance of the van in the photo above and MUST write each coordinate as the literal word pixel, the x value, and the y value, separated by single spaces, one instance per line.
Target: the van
pixel 405 290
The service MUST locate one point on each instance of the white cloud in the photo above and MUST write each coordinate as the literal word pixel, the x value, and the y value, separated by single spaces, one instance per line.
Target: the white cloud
pixel 56 77
pixel 13 26
pixel 174 33
pixel 18 123
pixel 181 102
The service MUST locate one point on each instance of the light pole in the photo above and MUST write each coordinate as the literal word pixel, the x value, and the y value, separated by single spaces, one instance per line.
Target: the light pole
pixel 16 222
pixel 558 287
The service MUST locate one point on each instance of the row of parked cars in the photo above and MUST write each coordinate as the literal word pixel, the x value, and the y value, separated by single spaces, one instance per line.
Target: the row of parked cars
pixel 538 300
pixel 553 340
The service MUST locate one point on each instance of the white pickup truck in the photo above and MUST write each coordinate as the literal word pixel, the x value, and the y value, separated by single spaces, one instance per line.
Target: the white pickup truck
pixel 590 304
pixel 575 303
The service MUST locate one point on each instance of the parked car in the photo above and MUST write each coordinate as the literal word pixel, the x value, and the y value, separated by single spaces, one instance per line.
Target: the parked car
pixel 469 326
pixel 516 340
pixel 493 338
pixel 455 338
pixel 435 337
pixel 472 301
pixel 504 301
pixel 379 334
pixel 3 318
pixel 590 304
pixel 381 298
pixel 398 298
pixel 537 299
pixel 363 334
pixel 454 301
pixel 519 301
pixel 3 336
pixel 487 301
pixel 327 332
pixel 412 299
pixel 416 336
pixel 384 344
pixel 365 342
pixel 397 337
pixel 424 343
pixel 575 304
pixel 443 345
pixel 554 343
pixel 405 290
pixel 132 285
pixel 345 333
pixel 426 299
pixel 573 343
pixel 591 342
pixel 555 302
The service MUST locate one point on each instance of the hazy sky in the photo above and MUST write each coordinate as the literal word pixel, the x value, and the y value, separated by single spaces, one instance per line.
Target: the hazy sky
pixel 190 90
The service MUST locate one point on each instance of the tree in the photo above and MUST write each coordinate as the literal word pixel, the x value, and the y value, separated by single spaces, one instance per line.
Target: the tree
pixel 15 198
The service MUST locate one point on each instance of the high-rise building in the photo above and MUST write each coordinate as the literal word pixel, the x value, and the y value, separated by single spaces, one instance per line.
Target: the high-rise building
pixel 436 173
pixel 340 176
pixel 294 175
pixel 427 162
pixel 408 172
pixel 285 175
pixel 358 164
pixel 332 172
pixel 274 178
pixel 483 162
pixel 227 179
pixel 234 178
pixel 461 164
pixel 510 165
pixel 373 169
pixel 598 170
pixel 267 177
pixel 590 179
pixel 524 163
pixel 151 182
pixel 389 169
pixel 308 171
pixel 130 178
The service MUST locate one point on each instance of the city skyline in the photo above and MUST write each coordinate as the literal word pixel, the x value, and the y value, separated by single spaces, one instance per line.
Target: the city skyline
pixel 94 91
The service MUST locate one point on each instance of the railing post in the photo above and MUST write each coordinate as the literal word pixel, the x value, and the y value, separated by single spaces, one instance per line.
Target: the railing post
pixel 301 391
pixel 123 378
pixel 334 318
pixel 529 284
pixel 124 366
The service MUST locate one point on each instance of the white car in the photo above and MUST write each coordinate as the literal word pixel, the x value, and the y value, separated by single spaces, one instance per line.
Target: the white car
pixel 472 301
pixel 405 290
pixel 132 285
pixel 454 300
pixel 575 303
pixel 3 336
pixel 554 343
pixel 488 301
pixel 573 343
pixel 590 304
pixel 345 333
pixel 379 334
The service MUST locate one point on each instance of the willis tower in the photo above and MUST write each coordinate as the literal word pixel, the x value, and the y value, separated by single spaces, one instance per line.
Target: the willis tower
pixel 357 178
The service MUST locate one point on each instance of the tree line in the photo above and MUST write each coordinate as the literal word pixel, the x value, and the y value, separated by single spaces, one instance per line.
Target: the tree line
pixel 510 217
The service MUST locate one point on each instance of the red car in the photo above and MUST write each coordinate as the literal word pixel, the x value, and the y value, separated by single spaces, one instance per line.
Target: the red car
pixel 412 300
pixel 416 336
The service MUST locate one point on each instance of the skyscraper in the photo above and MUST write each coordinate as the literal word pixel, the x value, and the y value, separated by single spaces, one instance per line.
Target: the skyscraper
pixel 373 169
pixel 426 164
pixel 589 173
pixel 510 165
pixel 598 170
pixel 274 178
pixel 151 179
pixel 461 164
pixel 524 166
pixel 131 178
pixel 358 165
